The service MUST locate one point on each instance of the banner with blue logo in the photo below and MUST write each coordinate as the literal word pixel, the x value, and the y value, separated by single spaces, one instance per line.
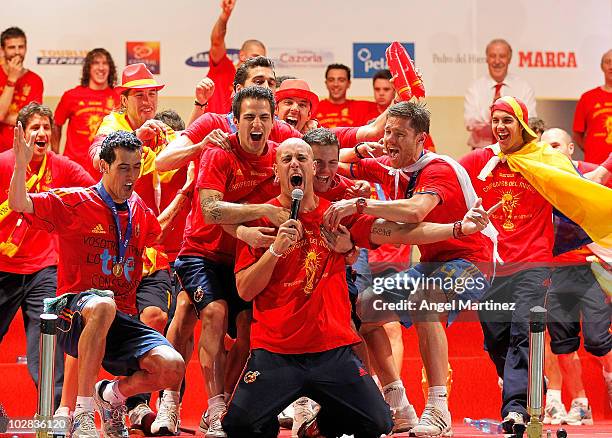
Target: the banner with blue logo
pixel 368 58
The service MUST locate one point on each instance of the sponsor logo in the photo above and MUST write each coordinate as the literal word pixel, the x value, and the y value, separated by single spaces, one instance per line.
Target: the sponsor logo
pixel 251 376
pixel 98 229
pixel 539 59
pixel 147 52
pixel 198 294
pixel 299 58
pixel 61 57
pixel 202 59
pixel 368 58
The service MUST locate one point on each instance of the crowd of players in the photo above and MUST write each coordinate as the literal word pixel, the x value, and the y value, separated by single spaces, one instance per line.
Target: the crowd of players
pixel 145 226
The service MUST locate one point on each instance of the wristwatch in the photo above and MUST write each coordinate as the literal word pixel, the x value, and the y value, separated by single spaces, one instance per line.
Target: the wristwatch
pixel 361 204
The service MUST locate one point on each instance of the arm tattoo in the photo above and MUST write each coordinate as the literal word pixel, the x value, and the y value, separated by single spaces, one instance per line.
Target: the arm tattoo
pixel 381 230
pixel 211 209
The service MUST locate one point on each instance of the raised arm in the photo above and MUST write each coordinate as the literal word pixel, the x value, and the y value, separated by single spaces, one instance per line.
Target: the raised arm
pixel 217 211
pixel 18 199
pixel 217 35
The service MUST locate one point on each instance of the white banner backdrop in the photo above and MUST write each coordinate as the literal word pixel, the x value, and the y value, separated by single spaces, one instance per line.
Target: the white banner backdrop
pixel 557 43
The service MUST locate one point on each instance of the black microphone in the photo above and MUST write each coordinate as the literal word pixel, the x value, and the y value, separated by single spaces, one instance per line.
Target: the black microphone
pixel 296 197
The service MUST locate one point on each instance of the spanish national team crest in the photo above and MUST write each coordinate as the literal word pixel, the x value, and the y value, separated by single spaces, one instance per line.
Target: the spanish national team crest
pixel 198 294
pixel 251 376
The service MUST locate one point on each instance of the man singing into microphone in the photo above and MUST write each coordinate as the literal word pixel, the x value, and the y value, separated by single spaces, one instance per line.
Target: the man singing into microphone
pixel 301 336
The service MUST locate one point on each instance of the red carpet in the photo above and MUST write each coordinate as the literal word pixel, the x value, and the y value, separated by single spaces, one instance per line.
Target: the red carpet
pixel 474 393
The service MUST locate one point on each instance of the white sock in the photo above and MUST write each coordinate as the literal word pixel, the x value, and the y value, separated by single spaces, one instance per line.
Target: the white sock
pixel 438 397
pixel 216 405
pixel 553 395
pixel 112 394
pixel 171 397
pixel 83 404
pixel 395 394
pixel 584 401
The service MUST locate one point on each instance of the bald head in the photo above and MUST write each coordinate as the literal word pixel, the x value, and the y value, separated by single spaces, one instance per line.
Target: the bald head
pixel 293 144
pixel 295 166
pixel 560 140
pixel 251 49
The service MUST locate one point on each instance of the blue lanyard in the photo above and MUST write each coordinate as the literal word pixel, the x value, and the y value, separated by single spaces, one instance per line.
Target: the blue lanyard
pixel 121 244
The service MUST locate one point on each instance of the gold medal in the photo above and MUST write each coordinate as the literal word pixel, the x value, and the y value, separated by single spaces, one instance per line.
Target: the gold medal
pixel 118 269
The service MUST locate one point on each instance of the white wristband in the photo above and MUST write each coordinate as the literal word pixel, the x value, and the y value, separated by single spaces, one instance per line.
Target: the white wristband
pixel 274 253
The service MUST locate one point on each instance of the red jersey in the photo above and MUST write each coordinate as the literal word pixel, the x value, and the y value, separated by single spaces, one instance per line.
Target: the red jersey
pixel 593 118
pixel 36 249
pixel 84 108
pixel 436 178
pixel 305 307
pixel 524 222
pixel 88 241
pixel 349 113
pixel 236 174
pixel 337 191
pixel 222 75
pixel 28 88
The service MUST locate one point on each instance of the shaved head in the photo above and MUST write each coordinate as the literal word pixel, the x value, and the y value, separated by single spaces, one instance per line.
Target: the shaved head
pixel 560 140
pixel 291 143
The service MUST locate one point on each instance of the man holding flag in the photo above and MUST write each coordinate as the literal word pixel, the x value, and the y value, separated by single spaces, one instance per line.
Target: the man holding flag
pixel 530 179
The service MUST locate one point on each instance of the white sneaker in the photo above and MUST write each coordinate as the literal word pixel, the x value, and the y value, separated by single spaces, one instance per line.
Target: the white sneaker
pixel 84 426
pixel 204 422
pixel 113 416
pixel 62 421
pixel 215 430
pixel 167 420
pixel 302 412
pixel 514 423
pixel 285 418
pixel 554 412
pixel 140 418
pixel 404 419
pixel 433 422
pixel 579 414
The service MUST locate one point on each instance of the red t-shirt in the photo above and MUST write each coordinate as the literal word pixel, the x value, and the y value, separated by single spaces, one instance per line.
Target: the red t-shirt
pixel 28 88
pixel 84 108
pixel 350 113
pixel 337 191
pixel 222 75
pixel 524 223
pixel 305 307
pixel 38 249
pixel 88 241
pixel 440 179
pixel 236 174
pixel 593 117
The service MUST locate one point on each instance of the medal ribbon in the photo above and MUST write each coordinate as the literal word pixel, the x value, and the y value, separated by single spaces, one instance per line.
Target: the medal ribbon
pixel 122 244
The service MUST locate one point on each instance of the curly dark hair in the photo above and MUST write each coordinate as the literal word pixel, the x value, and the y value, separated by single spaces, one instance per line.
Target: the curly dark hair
pixel 34 109
pixel 415 113
pixel 243 71
pixel 119 139
pixel 89 58
pixel 253 92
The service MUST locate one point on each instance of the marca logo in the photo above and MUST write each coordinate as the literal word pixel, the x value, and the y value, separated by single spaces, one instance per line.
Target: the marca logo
pixel 368 58
pixel 290 57
pixel 547 59
pixel 202 59
pixel 61 57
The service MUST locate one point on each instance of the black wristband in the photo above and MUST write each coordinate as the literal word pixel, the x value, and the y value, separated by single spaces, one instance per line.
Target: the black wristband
pixel 201 105
pixel 356 149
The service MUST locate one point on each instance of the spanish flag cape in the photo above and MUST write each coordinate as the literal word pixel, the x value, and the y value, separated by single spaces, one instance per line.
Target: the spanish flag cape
pixel 553 175
pixel 154 259
pixel 14 227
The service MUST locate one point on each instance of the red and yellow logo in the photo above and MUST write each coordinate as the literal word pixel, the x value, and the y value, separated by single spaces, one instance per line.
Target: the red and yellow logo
pixel 147 52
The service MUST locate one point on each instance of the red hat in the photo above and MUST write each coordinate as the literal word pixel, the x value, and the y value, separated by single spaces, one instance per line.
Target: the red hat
pixel 518 109
pixel 137 76
pixel 292 88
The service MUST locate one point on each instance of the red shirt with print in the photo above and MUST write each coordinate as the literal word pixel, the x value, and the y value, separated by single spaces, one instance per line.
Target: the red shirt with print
pixel 88 241
pixel 350 113
pixel 438 178
pixel 305 307
pixel 28 88
pixel 337 191
pixel 84 109
pixel 236 174
pixel 524 222
pixel 222 75
pixel 593 118
pixel 37 248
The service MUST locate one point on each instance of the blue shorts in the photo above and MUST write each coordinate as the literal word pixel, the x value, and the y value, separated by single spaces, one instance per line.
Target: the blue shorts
pixel 426 289
pixel 155 290
pixel 127 340
pixel 206 281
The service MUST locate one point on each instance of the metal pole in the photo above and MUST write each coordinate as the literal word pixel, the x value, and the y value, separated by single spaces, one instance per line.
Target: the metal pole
pixel 535 390
pixel 46 375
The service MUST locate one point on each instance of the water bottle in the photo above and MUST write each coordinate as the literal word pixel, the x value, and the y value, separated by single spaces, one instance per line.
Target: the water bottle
pixel 485 425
